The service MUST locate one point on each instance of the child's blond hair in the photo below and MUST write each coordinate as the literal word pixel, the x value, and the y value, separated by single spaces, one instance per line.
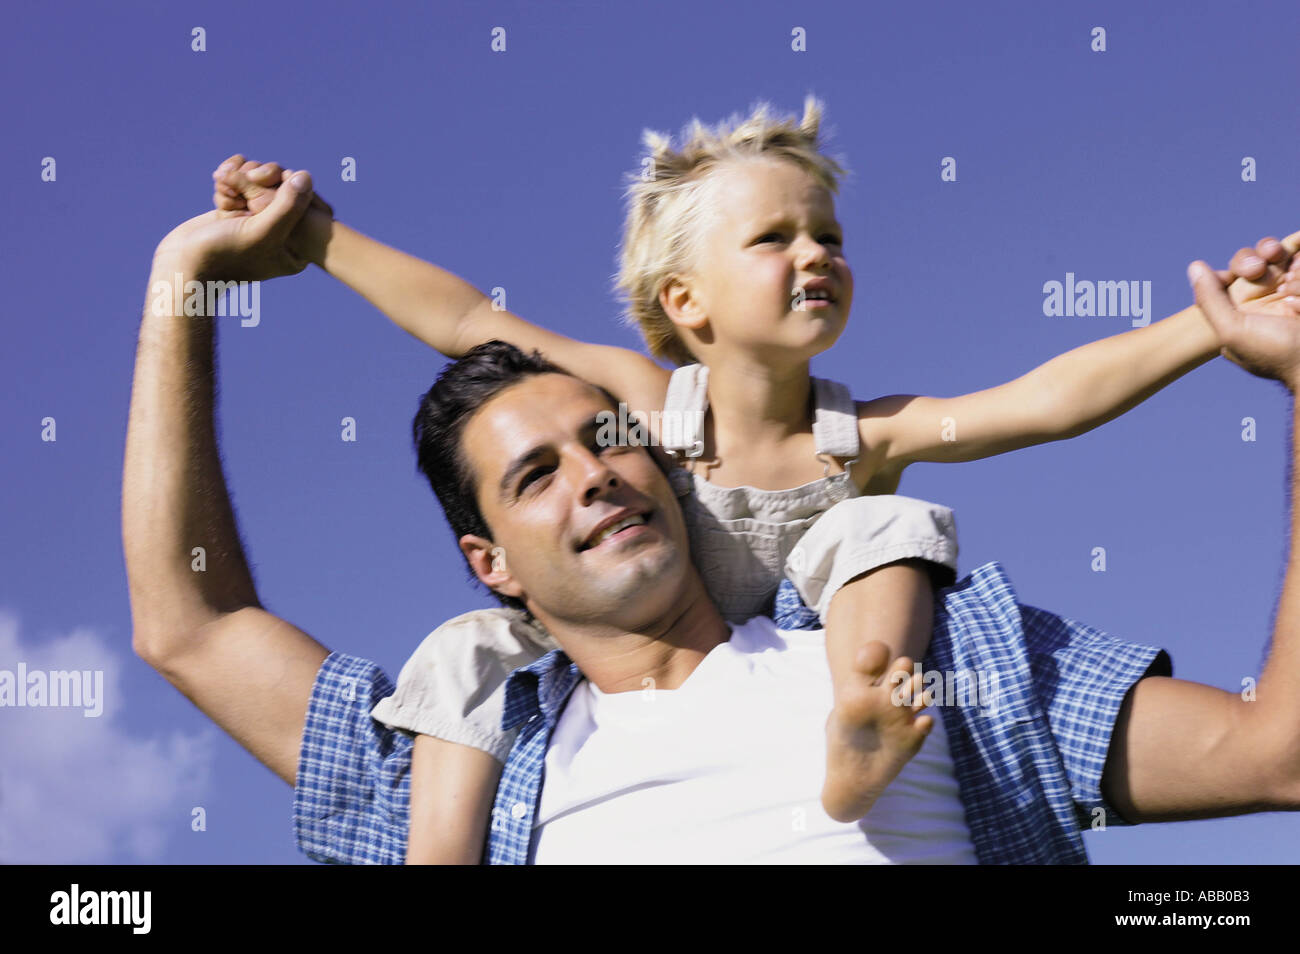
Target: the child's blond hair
pixel 666 204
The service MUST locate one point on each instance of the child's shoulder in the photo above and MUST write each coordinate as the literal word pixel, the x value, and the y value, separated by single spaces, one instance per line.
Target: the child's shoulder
pixel 875 472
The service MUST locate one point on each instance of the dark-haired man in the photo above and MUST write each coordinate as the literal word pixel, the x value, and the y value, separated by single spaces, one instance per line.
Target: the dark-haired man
pixel 634 609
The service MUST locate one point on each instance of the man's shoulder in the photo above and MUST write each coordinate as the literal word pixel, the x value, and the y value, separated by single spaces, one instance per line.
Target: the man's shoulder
pixel 343 677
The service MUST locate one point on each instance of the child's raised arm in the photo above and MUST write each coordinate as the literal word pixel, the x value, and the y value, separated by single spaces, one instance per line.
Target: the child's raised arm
pixel 1072 393
pixel 430 303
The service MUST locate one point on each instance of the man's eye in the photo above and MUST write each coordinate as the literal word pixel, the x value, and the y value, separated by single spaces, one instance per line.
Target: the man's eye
pixel 533 476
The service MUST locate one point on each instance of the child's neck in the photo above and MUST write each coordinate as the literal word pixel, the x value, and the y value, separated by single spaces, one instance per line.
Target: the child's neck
pixel 755 404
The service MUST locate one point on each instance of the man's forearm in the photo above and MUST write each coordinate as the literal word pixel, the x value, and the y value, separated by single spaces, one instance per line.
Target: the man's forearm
pixel 185 565
pixel 422 299
pixel 1279 682
pixel 1182 750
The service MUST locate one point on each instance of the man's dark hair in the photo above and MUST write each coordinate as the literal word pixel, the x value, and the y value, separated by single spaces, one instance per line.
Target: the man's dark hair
pixel 461 389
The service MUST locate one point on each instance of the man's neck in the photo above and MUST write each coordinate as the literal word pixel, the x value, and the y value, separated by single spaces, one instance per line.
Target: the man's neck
pixel 660 654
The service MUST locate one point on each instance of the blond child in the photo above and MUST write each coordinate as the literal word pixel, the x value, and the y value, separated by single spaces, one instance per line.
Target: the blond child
pixel 733 267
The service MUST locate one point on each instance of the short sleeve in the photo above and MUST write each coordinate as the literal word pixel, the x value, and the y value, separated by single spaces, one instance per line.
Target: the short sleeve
pixel 452 687
pixel 1081 676
pixel 352 794
pixel 864 533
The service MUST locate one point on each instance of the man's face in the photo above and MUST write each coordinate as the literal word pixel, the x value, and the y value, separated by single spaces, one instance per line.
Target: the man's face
pixel 551 495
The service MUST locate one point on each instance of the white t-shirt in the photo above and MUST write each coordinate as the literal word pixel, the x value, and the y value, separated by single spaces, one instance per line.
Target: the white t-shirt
pixel 729 769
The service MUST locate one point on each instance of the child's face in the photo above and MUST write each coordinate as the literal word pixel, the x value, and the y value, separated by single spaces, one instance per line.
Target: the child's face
pixel 772 231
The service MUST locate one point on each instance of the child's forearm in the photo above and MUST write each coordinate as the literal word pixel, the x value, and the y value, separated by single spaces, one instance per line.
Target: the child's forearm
pixel 422 299
pixel 1096 382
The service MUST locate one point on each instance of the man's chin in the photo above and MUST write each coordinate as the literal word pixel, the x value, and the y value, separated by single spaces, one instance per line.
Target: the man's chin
pixel 642 572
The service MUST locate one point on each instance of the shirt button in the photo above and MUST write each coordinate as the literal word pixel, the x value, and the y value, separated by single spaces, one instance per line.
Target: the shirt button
pixel 518 810
pixel 797 559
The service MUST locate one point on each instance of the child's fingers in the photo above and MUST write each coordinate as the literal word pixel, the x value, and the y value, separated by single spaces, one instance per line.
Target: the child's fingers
pixel 1271 250
pixel 1249 264
pixel 226 204
pixel 233 162
pixel 268 173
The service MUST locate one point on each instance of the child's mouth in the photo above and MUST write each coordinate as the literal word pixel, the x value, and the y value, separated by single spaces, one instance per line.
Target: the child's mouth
pixel 818 297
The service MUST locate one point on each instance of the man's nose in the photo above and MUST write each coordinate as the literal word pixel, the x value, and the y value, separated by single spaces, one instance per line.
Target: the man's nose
pixel 593 475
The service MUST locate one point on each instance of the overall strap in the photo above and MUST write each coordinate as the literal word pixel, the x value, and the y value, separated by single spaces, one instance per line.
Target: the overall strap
pixel 682 422
pixel 835 424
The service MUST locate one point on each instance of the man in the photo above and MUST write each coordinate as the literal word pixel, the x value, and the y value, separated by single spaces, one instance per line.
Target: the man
pixel 634 609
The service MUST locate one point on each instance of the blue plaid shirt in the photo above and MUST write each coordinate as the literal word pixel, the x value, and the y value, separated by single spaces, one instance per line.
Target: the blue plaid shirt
pixel 1029 768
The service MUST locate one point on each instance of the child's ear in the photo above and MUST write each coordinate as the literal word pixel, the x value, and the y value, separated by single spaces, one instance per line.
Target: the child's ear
pixel 488 561
pixel 680 303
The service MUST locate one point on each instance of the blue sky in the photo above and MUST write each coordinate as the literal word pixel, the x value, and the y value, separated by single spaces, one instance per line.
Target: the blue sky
pixel 506 168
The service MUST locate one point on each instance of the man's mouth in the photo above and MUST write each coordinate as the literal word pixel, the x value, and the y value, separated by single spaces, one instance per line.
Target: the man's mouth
pixel 607 530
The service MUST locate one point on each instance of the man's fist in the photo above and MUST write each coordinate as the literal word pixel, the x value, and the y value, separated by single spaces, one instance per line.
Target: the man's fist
pixel 1263 337
pixel 250 247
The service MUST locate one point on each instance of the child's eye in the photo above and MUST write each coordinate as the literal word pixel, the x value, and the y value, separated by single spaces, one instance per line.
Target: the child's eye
pixel 772 236
pixel 831 239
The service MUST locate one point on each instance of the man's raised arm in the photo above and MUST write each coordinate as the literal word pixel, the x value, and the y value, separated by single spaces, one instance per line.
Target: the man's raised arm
pixel 204 629
pixel 1184 750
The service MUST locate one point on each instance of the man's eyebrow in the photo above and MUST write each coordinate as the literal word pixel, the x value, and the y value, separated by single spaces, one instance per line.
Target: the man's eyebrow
pixel 517 465
pixel 586 433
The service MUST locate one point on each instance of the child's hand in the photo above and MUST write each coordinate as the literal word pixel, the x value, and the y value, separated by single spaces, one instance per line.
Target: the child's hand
pixel 245 187
pixel 1266 276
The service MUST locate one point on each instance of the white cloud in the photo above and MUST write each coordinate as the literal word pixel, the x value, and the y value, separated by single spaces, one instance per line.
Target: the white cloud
pixel 84 790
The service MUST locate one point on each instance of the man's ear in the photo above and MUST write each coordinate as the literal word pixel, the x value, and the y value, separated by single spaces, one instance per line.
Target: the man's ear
pixel 681 305
pixel 488 561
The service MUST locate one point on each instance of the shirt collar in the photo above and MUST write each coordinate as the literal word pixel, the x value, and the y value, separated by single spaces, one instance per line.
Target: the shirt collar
pixel 539 688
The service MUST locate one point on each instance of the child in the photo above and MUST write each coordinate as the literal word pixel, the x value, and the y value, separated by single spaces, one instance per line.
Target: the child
pixel 733 267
